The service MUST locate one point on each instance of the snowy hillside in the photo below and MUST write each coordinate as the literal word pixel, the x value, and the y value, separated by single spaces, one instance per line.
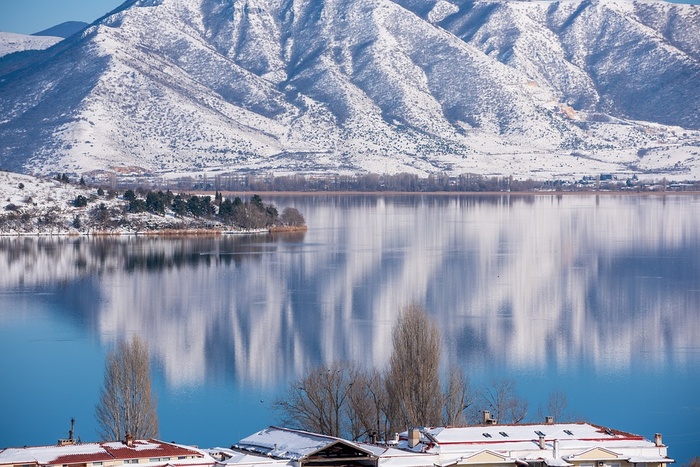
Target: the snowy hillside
pixel 52 206
pixel 530 89
pixel 10 42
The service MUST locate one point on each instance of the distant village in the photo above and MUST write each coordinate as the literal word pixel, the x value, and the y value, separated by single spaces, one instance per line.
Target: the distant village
pixel 488 444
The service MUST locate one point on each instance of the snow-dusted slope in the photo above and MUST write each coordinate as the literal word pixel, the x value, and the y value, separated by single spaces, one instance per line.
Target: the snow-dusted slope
pixel 10 42
pixel 512 88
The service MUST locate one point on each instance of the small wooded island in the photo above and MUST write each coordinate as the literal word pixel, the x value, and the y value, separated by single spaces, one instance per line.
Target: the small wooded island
pixel 57 206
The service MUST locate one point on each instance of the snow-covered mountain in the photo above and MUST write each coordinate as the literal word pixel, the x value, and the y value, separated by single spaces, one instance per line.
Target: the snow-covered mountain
pixel 496 87
pixel 11 42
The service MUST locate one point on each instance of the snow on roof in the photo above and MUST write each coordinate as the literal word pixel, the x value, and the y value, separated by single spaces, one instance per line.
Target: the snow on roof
pixel 94 452
pixel 278 442
pixel 392 457
pixel 46 454
pixel 287 443
pixel 649 460
pixel 551 462
pixel 517 433
pixel 239 458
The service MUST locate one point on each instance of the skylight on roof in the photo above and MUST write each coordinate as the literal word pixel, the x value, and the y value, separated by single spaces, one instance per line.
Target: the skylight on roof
pixel 486 435
pixel 569 432
pixel 504 434
pixel 539 433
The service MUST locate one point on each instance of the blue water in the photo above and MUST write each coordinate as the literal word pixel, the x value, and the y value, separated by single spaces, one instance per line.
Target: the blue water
pixel 596 297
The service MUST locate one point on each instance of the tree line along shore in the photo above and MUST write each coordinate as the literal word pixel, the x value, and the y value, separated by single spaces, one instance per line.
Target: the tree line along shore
pixel 34 206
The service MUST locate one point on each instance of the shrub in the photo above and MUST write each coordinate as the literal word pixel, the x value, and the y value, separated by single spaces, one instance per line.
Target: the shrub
pixel 80 201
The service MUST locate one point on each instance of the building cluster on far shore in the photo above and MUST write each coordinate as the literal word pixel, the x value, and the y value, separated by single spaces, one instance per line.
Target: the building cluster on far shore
pixel 488 445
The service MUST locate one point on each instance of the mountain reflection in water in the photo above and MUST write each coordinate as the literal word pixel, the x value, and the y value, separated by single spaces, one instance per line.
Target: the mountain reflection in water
pixel 541 284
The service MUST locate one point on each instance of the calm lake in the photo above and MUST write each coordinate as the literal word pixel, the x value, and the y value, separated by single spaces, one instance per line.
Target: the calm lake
pixel 594 296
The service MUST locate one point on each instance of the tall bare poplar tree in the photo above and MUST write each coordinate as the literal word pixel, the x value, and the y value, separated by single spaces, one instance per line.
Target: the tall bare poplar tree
pixel 413 379
pixel 127 404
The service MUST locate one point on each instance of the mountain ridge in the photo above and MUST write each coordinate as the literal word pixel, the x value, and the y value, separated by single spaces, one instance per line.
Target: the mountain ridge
pixel 498 87
pixel 64 30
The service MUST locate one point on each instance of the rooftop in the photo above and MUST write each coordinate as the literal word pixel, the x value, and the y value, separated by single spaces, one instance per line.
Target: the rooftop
pixel 95 452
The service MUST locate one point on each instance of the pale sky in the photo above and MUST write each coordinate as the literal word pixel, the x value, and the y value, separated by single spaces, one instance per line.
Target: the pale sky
pixel 30 16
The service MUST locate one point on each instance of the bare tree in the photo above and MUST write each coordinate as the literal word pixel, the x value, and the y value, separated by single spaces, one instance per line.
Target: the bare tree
pixel 368 406
pixel 413 380
pixel 292 217
pixel 127 404
pixel 456 399
pixel 318 401
pixel 557 404
pixel 502 400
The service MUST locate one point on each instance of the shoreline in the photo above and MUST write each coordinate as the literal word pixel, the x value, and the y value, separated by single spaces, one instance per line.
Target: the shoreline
pixel 453 193
pixel 160 233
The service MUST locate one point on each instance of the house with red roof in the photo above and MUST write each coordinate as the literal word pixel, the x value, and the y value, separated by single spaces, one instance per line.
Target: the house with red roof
pixel 68 453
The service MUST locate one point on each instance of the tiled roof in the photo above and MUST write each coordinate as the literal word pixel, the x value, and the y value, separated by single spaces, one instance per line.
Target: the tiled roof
pixel 151 448
pixel 94 452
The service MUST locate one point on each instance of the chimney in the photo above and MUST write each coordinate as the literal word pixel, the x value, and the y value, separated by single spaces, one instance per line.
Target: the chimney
pixel 413 437
pixel 549 420
pixel 555 452
pixel 542 445
pixel 657 440
pixel 488 420
pixel 129 440
pixel 373 438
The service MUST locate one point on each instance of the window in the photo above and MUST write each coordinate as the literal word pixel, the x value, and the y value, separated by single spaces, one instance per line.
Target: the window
pixel 97 463
pixel 154 459
pixel 182 457
pixel 131 461
pixel 165 459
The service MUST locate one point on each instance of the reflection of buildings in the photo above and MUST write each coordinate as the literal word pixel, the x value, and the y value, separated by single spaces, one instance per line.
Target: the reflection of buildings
pixel 541 445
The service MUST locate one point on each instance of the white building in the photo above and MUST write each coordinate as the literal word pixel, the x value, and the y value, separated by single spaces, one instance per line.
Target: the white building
pixel 536 445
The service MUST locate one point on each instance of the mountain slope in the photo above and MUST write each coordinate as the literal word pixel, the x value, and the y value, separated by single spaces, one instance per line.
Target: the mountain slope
pixel 629 59
pixel 511 88
pixel 11 43
pixel 63 30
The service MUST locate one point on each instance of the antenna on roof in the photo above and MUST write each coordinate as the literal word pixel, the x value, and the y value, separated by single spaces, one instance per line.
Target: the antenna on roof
pixel 71 439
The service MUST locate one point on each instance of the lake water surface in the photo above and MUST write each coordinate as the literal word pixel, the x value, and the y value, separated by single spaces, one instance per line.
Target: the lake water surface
pixel 594 296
